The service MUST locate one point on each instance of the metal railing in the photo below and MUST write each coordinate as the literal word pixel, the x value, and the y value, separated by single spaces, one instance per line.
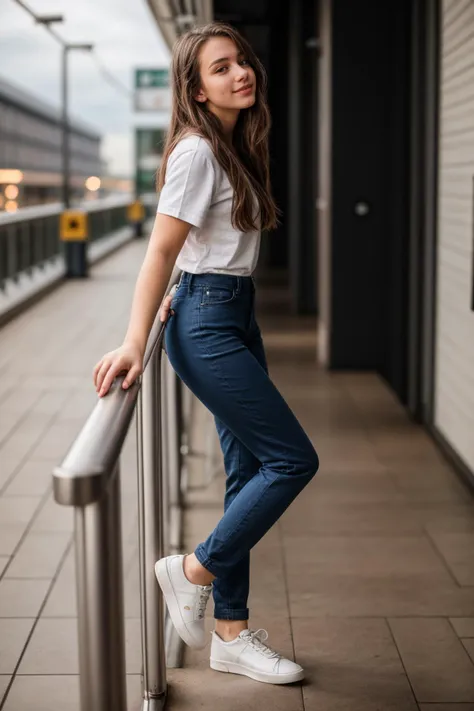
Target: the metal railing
pixel 29 238
pixel 89 480
pixel 33 259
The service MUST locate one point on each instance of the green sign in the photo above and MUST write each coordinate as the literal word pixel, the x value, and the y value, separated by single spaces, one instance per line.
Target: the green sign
pixel 152 90
pixel 149 143
pixel 148 78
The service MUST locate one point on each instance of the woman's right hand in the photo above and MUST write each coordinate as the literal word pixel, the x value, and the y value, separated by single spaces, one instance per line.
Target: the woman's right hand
pixel 128 358
pixel 166 309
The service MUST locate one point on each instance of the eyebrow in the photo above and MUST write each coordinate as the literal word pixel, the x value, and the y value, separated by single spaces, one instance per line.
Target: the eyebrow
pixel 223 59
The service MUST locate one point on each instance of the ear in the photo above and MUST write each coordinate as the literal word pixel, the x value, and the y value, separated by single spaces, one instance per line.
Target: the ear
pixel 200 96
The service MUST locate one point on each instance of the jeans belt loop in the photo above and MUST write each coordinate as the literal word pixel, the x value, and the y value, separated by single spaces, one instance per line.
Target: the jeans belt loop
pixel 190 281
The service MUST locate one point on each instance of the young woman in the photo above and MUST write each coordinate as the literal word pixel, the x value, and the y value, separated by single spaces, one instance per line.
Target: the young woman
pixel 214 199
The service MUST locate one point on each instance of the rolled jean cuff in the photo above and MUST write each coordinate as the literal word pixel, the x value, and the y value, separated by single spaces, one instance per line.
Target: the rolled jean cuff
pixel 204 559
pixel 226 614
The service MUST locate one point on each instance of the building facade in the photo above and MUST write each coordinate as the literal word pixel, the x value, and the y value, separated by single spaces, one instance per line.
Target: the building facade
pixel 30 142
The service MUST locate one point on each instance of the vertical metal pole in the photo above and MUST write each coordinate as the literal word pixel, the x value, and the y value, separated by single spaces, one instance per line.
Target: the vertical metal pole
pixel 65 128
pixel 99 579
pixel 173 460
pixel 151 535
pixel 174 429
pixel 165 455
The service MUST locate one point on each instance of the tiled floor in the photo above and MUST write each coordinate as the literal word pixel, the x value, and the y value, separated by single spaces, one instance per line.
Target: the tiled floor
pixel 367 579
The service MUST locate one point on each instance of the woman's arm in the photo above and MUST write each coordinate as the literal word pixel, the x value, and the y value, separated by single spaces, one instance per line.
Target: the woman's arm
pixel 167 238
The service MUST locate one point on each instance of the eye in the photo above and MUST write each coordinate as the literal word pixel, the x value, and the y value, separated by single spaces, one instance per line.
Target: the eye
pixel 218 71
pixel 244 61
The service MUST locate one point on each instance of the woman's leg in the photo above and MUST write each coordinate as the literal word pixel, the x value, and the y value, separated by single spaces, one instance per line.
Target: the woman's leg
pixel 208 347
pixel 231 592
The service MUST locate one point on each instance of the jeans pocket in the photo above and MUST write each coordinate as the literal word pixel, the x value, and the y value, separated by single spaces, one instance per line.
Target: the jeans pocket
pixel 215 295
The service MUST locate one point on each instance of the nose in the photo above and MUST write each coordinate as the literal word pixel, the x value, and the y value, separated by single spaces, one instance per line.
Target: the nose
pixel 242 74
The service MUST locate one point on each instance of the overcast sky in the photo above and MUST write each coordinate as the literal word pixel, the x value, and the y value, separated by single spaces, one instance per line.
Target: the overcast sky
pixel 125 36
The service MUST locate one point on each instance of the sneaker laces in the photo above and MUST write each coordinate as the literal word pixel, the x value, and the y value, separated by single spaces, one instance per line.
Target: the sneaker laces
pixel 204 592
pixel 257 639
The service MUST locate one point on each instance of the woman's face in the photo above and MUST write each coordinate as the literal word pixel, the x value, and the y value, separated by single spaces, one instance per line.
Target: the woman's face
pixel 227 80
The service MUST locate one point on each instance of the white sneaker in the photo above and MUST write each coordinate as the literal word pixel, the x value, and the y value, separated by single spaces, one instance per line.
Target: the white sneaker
pixel 248 655
pixel 185 601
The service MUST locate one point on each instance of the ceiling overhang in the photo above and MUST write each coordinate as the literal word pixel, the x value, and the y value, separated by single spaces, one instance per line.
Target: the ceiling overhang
pixel 174 17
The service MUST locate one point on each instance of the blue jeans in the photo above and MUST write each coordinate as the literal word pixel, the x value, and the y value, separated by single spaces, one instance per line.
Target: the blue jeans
pixel 214 344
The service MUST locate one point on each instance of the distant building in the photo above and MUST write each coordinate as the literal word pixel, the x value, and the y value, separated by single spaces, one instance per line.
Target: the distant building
pixel 30 142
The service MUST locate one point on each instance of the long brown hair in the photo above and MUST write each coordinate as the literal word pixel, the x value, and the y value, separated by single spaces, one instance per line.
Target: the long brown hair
pixel 246 163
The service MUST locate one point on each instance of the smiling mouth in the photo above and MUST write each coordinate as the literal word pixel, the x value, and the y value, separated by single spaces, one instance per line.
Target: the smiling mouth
pixel 244 88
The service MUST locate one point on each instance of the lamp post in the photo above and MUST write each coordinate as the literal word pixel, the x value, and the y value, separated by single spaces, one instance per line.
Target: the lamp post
pixel 49 20
pixel 65 118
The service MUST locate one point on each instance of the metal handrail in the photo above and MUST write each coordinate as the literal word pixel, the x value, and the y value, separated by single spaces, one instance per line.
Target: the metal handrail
pixel 89 480
pixel 33 212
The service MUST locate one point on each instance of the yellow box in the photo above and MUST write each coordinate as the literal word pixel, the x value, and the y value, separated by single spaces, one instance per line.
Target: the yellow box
pixel 73 226
pixel 136 211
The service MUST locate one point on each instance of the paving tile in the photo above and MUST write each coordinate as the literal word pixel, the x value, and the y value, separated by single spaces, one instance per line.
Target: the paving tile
pixel 468 645
pixel 378 596
pixel 360 556
pixel 27 435
pixel 351 664
pixel 191 689
pixel 44 693
pixel 310 516
pixel 39 555
pixel 4 681
pixel 350 487
pixel 343 448
pixel 14 408
pixel 438 486
pixel 134 692
pixel 9 464
pixel 457 550
pixel 10 536
pixel 463 626
pixel 13 636
pixel 132 595
pixel 34 478
pixel 434 659
pixel 57 440
pixel 446 707
pixel 62 600
pixel 16 510
pixel 448 518
pixel 267 580
pixel 54 517
pixel 133 648
pixel 51 400
pixel 3 562
pixel 53 648
pixel 335 518
pixel 22 598
pixel 201 521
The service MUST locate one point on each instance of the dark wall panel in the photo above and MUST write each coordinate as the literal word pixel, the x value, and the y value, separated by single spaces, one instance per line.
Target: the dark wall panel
pixel 369 182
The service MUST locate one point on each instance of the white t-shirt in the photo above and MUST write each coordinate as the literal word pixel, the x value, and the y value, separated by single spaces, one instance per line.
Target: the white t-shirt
pixel 197 190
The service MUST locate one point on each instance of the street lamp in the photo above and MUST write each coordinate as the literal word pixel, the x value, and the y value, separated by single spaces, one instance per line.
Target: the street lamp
pixel 65 120
pixel 48 20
